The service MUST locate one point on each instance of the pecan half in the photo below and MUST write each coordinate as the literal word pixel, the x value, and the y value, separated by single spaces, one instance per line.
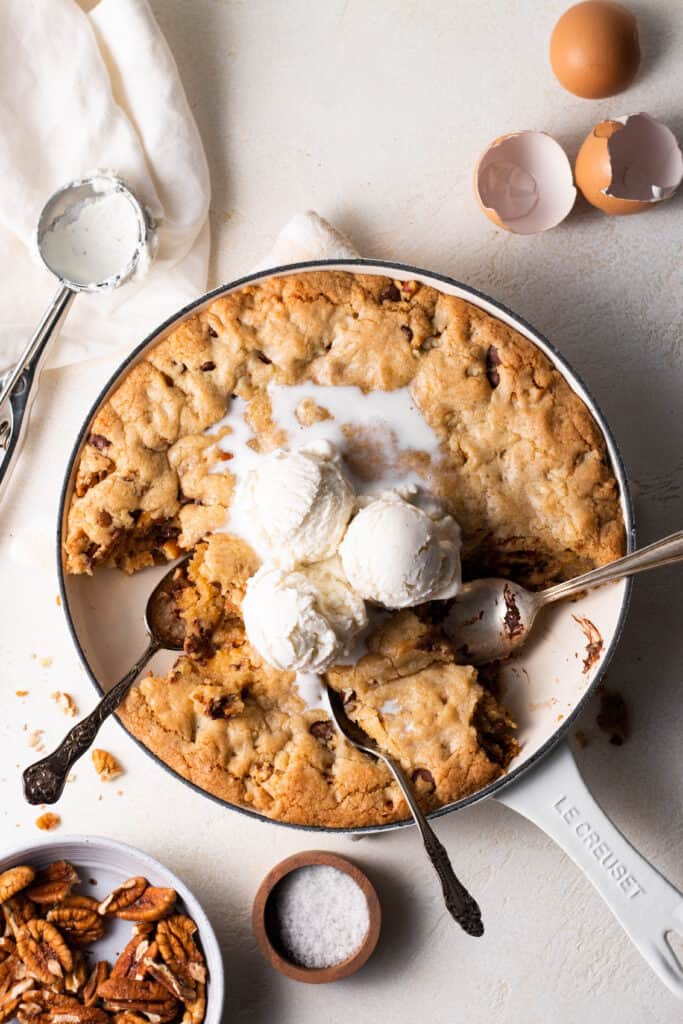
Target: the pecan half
pixel 175 977
pixel 154 904
pixel 44 951
pixel 177 946
pixel 54 883
pixel 175 937
pixel 130 963
pixel 99 973
pixel 14 880
pixel 148 997
pixel 125 894
pixel 50 1008
pixel 81 925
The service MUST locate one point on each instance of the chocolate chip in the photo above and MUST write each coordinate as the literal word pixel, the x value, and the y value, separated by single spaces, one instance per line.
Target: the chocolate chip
pixel 323 731
pixel 99 441
pixel 208 365
pixel 212 333
pixel 423 775
pixel 390 294
pixel 408 331
pixel 103 517
pixel 218 707
pixel 135 514
pixel 264 358
pixel 492 361
pixel 163 531
pixel 199 645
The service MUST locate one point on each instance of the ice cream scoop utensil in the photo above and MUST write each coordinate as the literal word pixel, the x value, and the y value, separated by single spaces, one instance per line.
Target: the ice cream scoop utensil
pixel 44 781
pixel 491 618
pixel 18 387
pixel 462 907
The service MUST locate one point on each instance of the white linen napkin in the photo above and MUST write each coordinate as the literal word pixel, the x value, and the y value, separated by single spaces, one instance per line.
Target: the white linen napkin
pixel 307 236
pixel 80 93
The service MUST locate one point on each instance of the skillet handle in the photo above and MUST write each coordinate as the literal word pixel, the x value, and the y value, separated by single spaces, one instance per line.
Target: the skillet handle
pixel 648 907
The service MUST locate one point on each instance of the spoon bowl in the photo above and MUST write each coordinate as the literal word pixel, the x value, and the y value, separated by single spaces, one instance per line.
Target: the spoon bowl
pixel 490 618
pixel 44 781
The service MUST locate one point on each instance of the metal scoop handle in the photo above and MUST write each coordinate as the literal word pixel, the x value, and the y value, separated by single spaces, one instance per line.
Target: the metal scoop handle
pixel 19 387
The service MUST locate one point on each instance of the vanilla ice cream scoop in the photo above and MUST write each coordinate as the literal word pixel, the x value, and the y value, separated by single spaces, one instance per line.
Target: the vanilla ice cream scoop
pixel 297 503
pixel 397 555
pixel 302 621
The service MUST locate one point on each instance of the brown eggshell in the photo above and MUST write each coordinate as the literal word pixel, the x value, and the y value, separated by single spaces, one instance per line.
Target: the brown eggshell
pixel 593 172
pixel 594 49
pixel 645 158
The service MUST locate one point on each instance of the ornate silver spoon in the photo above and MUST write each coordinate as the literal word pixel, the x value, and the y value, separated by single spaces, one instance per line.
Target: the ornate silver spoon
pixel 461 906
pixel 44 781
pixel 491 618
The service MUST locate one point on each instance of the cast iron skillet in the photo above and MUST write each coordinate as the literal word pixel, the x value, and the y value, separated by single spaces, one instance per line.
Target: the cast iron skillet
pixel 546 687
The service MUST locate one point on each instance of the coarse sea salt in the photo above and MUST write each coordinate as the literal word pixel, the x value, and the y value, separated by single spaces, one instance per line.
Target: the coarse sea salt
pixel 320 915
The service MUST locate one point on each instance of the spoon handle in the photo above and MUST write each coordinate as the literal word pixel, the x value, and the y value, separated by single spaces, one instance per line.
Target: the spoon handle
pixel 19 386
pixel 44 781
pixel 662 552
pixel 461 905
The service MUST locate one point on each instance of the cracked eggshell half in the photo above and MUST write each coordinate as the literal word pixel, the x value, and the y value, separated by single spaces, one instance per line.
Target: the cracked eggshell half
pixel 523 183
pixel 629 164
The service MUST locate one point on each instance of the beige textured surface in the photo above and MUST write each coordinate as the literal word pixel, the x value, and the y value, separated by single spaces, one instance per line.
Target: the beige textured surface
pixel 375 115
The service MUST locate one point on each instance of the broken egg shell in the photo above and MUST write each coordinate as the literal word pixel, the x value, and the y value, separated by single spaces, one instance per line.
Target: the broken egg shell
pixel 523 182
pixel 629 164
pixel 594 49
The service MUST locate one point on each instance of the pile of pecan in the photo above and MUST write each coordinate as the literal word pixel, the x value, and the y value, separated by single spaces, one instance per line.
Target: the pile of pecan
pixel 45 976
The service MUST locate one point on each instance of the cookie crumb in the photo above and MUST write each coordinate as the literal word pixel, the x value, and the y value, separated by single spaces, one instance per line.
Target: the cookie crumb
pixel 65 702
pixel 45 662
pixel 48 821
pixel 309 412
pixel 21 693
pixel 58 601
pixel 71 777
pixel 106 765
pixel 35 740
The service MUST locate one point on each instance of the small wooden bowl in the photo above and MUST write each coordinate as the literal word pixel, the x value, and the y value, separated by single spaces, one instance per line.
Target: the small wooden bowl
pixel 315 975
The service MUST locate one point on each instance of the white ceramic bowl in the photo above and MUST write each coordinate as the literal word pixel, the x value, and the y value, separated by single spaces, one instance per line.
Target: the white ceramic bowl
pixel 102 865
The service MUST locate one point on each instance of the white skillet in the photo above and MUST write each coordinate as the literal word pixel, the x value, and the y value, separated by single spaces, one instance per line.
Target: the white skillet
pixel 546 686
